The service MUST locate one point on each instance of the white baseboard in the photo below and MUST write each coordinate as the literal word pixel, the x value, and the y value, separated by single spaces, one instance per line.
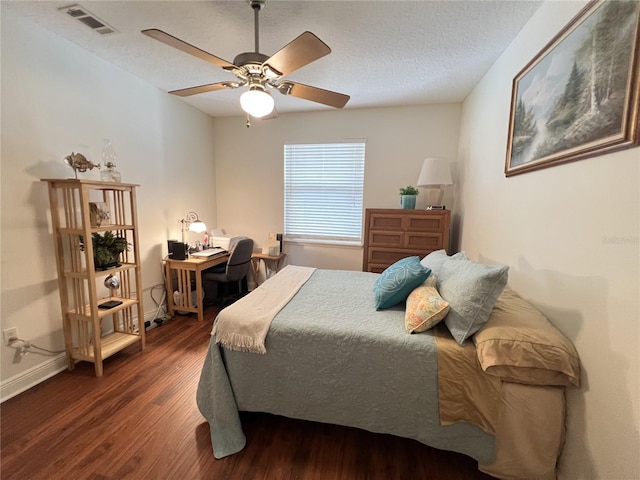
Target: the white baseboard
pixel 17 384
pixel 12 386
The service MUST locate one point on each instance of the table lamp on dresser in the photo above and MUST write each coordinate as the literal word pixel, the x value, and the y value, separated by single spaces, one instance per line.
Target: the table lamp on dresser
pixel 434 175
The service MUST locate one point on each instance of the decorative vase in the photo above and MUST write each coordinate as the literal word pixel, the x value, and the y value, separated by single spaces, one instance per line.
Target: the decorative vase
pixel 109 157
pixel 408 201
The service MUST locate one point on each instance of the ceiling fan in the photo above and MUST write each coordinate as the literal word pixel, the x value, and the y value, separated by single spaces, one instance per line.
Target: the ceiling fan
pixel 259 72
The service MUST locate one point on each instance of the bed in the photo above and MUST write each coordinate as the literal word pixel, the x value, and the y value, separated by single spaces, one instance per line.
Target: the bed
pixel 328 355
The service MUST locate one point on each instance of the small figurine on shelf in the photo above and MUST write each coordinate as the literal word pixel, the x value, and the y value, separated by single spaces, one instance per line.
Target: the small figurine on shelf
pixel 79 163
pixel 109 157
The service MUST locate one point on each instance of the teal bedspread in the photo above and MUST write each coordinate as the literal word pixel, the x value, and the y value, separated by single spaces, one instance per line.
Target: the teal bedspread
pixel 332 358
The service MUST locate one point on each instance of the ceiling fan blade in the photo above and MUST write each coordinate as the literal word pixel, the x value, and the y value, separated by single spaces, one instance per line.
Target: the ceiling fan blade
pixel 174 42
pixel 315 94
pixel 301 51
pixel 209 87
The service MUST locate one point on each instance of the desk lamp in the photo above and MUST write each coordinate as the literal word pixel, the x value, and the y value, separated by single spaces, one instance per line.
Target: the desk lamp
pixel 192 223
pixel 434 174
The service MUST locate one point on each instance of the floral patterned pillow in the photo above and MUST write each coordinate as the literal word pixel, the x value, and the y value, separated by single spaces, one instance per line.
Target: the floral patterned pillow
pixel 425 307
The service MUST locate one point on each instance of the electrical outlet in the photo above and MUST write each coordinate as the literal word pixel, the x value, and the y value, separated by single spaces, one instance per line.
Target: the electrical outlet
pixel 10 333
pixel 273 236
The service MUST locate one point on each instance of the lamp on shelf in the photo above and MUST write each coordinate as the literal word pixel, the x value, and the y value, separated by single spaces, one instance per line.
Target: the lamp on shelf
pixel 434 175
pixel 192 223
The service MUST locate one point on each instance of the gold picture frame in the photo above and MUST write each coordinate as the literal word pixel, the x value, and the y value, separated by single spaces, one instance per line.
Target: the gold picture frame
pixel 580 96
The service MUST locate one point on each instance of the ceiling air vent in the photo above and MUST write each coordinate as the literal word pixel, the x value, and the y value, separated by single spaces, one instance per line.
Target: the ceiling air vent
pixel 89 19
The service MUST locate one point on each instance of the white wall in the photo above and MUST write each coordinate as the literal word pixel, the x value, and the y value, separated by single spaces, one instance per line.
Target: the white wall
pixel 57 98
pixel 250 177
pixel 570 235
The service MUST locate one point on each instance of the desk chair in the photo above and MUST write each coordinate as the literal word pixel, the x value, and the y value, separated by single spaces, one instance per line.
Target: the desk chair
pixel 235 270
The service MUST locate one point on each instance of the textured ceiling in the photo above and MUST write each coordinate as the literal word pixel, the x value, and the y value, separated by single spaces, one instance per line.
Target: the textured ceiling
pixel 384 53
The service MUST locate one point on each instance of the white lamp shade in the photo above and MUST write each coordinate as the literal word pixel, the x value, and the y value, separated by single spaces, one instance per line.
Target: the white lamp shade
pixel 197 226
pixel 257 103
pixel 435 171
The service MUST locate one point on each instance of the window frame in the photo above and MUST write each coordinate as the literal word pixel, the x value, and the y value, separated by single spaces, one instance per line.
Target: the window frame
pixel 355 180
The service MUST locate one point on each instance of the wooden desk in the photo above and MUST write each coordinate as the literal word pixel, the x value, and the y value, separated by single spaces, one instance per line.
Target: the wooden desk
pixel 276 261
pixel 183 270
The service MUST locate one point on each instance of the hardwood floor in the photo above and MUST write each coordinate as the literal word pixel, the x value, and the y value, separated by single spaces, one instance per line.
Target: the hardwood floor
pixel 140 421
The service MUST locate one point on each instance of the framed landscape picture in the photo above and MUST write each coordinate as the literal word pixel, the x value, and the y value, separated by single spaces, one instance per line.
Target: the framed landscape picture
pixel 580 96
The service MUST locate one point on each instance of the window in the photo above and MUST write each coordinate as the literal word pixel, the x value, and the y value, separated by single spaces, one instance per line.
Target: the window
pixel 323 185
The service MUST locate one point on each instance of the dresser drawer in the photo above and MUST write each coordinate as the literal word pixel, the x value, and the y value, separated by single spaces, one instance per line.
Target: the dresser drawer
pixel 384 221
pixel 377 267
pixel 408 240
pixel 388 256
pixel 435 223
pixel 423 241
pixel 381 238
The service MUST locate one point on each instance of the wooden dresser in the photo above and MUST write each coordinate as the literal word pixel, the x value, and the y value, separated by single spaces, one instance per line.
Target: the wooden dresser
pixel 392 234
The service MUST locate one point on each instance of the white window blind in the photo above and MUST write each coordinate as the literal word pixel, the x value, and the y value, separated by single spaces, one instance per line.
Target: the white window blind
pixel 323 185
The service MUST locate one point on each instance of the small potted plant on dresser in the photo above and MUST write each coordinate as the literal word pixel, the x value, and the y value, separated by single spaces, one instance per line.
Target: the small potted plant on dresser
pixel 408 197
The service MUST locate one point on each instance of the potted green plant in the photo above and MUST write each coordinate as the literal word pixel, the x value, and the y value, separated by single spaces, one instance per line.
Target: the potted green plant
pixel 408 196
pixel 107 249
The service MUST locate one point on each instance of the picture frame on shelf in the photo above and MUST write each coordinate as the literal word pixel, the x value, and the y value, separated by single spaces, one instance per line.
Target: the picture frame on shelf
pixel 99 214
pixel 579 97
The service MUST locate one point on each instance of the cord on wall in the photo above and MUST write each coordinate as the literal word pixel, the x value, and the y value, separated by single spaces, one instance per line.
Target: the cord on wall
pixel 25 347
pixel 161 313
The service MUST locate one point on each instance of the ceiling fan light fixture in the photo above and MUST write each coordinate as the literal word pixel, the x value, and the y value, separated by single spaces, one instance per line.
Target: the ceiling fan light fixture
pixel 257 71
pixel 257 102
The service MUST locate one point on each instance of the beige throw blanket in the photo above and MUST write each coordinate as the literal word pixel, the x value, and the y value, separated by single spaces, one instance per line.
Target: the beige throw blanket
pixel 244 325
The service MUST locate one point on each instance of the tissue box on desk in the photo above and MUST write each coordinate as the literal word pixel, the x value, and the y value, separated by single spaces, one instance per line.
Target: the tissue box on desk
pixel 271 249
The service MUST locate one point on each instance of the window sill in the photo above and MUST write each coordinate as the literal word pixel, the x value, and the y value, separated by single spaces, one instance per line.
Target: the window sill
pixel 324 243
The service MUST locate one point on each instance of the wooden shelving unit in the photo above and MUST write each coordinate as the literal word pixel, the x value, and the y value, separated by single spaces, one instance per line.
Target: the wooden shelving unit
pixel 81 286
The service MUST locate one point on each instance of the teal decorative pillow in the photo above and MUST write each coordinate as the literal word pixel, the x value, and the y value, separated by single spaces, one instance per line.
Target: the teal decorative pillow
pixel 425 307
pixel 472 290
pixel 397 281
